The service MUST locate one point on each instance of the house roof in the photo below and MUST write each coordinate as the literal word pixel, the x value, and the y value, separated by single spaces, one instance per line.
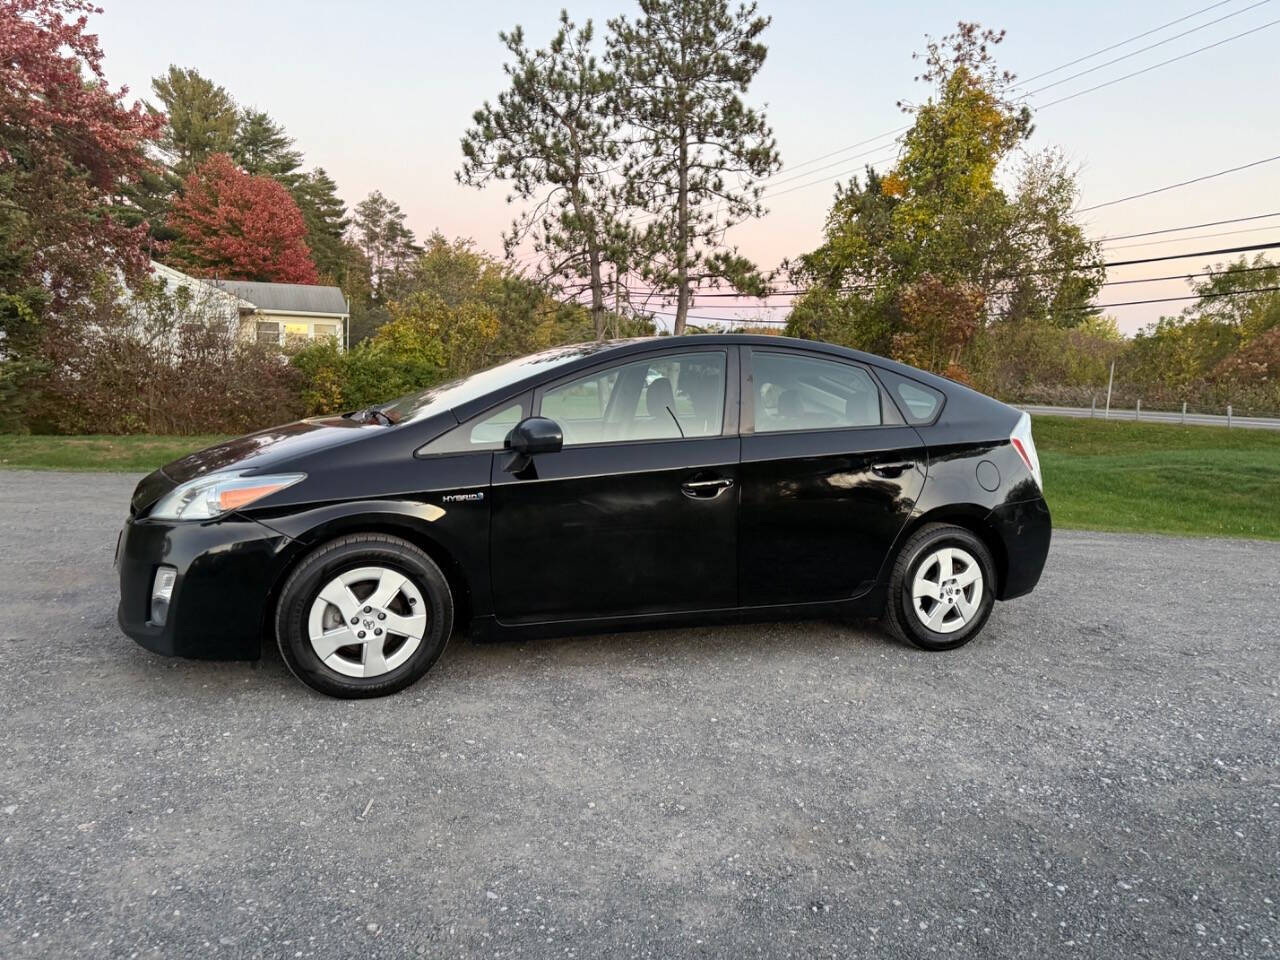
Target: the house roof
pixel 176 279
pixel 287 297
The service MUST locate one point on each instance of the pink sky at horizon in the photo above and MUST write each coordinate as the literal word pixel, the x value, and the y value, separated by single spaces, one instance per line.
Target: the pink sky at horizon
pixel 380 94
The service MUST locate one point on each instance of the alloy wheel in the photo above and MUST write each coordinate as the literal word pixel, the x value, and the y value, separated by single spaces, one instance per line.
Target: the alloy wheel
pixel 366 622
pixel 946 592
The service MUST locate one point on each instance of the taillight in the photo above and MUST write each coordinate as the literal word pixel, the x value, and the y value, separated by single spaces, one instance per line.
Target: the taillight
pixel 1026 447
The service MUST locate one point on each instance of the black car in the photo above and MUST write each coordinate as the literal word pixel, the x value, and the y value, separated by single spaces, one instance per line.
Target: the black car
pixel 592 487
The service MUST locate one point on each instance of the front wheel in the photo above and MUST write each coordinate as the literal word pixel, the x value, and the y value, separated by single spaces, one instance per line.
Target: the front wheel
pixel 942 588
pixel 364 616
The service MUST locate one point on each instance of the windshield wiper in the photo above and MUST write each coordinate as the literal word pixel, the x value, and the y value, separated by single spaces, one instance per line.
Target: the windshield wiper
pixel 371 415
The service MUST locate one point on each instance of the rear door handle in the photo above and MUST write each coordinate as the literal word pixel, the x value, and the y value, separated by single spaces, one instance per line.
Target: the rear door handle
pixel 706 489
pixel 891 470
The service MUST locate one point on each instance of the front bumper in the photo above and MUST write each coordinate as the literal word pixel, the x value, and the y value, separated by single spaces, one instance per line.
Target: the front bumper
pixel 227 569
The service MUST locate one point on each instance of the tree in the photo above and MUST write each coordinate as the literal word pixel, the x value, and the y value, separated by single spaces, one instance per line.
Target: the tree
pixel 69 147
pixel 698 150
pixel 232 224
pixel 1251 314
pixel 202 119
pixel 262 147
pixel 554 137
pixel 378 229
pixel 939 217
pixel 938 321
pixel 326 218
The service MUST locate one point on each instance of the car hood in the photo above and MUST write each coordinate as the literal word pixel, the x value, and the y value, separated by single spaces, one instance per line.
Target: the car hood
pixel 255 451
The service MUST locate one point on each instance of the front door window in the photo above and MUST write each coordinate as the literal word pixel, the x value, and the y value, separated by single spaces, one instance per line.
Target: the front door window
pixel 672 397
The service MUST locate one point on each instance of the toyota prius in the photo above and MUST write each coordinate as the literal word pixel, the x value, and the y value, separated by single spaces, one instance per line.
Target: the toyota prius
pixel 594 487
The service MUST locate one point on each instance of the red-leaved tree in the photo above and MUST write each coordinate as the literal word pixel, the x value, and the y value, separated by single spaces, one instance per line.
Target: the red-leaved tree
pixel 69 147
pixel 234 225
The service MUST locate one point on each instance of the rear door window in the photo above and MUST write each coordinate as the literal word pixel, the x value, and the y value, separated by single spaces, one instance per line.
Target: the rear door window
pixel 795 391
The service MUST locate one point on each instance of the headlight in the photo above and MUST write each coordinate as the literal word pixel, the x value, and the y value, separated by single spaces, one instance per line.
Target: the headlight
pixel 207 497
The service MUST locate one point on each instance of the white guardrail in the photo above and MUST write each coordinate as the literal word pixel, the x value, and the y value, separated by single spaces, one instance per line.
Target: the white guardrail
pixel 1156 416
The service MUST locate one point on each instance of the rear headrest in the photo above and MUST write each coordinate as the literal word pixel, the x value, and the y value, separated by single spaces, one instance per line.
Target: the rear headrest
pixel 789 404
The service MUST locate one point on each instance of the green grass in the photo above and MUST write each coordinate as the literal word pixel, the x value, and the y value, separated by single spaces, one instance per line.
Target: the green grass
pixel 138 454
pixel 1100 475
pixel 1158 478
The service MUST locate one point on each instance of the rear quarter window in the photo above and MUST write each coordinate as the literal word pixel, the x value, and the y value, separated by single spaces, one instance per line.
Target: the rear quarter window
pixel 919 404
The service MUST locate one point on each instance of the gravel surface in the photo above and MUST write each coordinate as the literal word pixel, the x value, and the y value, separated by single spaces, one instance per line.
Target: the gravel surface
pixel 1097 776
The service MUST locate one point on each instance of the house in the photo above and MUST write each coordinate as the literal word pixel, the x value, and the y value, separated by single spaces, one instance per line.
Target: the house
pixel 269 312
pixel 280 312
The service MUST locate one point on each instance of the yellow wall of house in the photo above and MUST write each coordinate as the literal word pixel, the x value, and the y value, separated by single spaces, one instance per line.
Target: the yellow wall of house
pixel 292 326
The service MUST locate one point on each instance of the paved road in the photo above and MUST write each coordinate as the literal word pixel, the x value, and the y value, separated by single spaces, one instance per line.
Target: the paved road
pixel 1156 416
pixel 1098 776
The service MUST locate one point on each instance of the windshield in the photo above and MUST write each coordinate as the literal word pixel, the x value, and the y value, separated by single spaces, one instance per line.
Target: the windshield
pixel 454 393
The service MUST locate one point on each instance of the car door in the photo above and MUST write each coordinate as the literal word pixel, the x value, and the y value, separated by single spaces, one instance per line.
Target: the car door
pixel 829 475
pixel 637 514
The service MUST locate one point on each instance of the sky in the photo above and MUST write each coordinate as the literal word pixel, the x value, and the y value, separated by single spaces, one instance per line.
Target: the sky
pixel 379 94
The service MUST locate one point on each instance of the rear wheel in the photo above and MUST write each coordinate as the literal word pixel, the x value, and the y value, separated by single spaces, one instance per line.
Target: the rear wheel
pixel 942 588
pixel 364 616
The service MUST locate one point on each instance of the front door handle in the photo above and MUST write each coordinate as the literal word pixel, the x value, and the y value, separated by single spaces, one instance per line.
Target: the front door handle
pixel 706 489
pixel 891 470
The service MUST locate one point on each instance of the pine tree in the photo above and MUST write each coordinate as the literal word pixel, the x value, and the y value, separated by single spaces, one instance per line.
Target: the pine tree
pixel 698 151
pixel 263 148
pixel 326 217
pixel 554 137
pixel 378 229
pixel 202 119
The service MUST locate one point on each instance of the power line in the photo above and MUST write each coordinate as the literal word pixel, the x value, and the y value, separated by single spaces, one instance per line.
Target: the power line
pixel 827 179
pixel 842 160
pixel 1064 66
pixel 1106 283
pixel 1134 53
pixel 1194 236
pixel 1183 183
pixel 1136 36
pixel 1090 308
pixel 852 146
pixel 1202 296
pixel 1070 63
pixel 1110 263
pixel 1190 276
pixel 1192 226
pixel 1071 96
pixel 1115 263
pixel 1155 66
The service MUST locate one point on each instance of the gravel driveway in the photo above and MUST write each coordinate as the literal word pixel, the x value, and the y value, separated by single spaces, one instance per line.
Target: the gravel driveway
pixel 1097 776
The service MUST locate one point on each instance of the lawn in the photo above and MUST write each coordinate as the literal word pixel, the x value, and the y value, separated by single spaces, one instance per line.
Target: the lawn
pixel 139 454
pixel 1159 478
pixel 1099 474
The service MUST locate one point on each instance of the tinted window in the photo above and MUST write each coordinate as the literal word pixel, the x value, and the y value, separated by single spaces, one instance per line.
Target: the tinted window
pixel 484 432
pixel 919 404
pixel 664 398
pixel 797 392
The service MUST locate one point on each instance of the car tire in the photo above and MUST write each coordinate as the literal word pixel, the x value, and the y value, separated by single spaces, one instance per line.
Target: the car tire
pixel 353 588
pixel 927 604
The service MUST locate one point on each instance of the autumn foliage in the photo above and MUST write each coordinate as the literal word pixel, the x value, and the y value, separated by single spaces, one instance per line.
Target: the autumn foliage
pixel 69 146
pixel 236 225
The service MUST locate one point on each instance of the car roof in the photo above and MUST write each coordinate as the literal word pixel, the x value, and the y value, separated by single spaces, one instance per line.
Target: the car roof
pixel 643 344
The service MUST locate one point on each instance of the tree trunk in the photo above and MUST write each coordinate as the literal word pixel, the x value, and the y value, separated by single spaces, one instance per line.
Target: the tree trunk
pixel 597 293
pixel 682 237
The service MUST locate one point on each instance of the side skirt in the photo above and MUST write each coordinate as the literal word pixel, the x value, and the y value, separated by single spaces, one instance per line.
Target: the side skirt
pixel 867 605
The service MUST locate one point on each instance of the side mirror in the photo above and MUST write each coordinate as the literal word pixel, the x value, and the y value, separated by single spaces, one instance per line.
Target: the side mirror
pixel 532 436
